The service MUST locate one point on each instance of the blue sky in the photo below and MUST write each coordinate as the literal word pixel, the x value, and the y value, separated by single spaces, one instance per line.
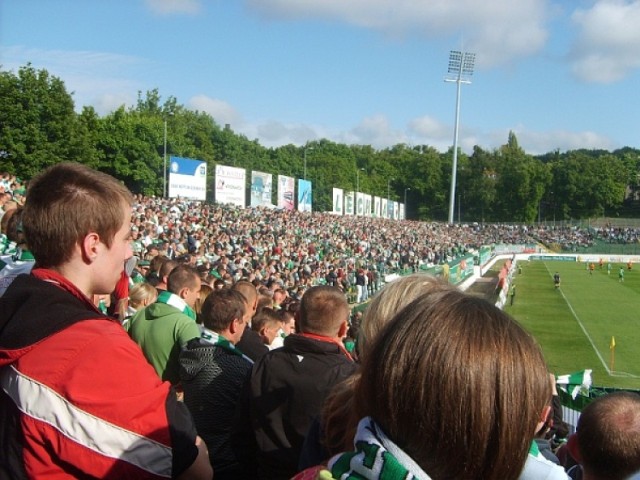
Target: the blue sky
pixel 561 74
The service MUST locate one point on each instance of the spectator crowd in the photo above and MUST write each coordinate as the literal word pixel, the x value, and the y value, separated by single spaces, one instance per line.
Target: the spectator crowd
pixel 184 339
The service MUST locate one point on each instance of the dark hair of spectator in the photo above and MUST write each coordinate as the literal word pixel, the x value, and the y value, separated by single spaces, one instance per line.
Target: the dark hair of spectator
pixel 221 307
pixel 167 267
pixel 182 276
pixel 265 317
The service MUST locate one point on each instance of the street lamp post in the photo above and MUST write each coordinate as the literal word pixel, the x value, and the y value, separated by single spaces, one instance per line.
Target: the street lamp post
pixel 460 71
pixel 405 202
pixel 357 187
pixel 164 189
pixel 304 171
pixel 388 197
pixel 358 179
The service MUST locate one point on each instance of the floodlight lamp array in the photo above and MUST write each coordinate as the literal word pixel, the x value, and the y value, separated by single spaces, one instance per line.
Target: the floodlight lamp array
pixel 461 63
pixel 455 58
pixel 468 63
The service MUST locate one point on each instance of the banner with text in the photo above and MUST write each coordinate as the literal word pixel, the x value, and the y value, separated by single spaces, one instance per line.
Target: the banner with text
pixel 367 205
pixel 261 187
pixel 390 204
pixel 384 208
pixel 304 195
pixel 338 203
pixel 376 207
pixel 230 185
pixel 286 186
pixel 349 203
pixel 187 178
pixel 359 203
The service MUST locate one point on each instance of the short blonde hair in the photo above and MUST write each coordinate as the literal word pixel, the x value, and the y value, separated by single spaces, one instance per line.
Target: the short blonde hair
pixel 141 292
pixel 392 298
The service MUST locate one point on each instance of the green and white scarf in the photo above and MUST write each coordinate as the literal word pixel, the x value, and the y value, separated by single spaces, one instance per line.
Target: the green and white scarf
pixel 575 383
pixel 175 301
pixel 376 457
pixel 215 338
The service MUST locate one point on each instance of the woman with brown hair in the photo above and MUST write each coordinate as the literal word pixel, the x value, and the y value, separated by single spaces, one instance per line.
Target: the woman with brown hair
pixel 451 388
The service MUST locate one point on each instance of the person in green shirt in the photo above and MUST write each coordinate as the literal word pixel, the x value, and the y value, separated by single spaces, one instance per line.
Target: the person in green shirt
pixel 164 327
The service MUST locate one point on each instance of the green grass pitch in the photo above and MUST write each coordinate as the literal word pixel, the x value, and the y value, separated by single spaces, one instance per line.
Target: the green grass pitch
pixel 574 324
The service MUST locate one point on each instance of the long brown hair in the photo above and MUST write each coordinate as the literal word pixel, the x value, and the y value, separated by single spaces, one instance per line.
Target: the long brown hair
pixel 458 385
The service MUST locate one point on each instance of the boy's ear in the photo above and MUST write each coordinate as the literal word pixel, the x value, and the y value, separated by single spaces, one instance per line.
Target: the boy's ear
pixel 89 247
pixel 343 329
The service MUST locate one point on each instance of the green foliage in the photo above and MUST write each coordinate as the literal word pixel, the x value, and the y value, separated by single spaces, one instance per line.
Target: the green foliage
pixel 39 127
pixel 37 122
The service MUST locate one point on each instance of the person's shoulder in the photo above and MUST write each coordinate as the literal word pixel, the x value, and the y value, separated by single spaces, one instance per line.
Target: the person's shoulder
pixel 539 468
pixel 96 350
pixel 101 333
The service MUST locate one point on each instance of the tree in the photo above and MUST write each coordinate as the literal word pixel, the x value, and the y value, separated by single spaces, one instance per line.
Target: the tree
pixel 37 121
pixel 521 183
pixel 479 185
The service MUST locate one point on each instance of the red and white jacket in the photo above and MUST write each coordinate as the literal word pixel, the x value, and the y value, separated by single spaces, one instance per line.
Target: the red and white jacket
pixel 78 398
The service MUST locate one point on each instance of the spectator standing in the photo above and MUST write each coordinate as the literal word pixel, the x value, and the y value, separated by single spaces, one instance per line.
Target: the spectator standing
pixel 141 295
pixel 78 399
pixel 288 385
pixel 22 261
pixel 267 323
pixel 250 344
pixel 607 439
pixel 213 372
pixel 165 326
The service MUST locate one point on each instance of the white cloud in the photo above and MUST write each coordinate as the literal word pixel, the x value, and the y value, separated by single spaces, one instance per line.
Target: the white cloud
pixel 374 130
pixel 170 7
pixel 221 111
pixel 607 48
pixel 498 31
pixel 275 133
pixel 109 102
pixel 429 127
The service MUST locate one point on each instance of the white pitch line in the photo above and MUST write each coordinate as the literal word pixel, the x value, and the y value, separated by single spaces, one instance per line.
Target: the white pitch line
pixel 584 330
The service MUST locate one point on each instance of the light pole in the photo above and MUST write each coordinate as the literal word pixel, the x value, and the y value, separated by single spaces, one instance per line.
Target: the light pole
pixel 405 202
pixel 460 71
pixel 388 196
pixel 357 187
pixel 304 171
pixel 358 179
pixel 164 189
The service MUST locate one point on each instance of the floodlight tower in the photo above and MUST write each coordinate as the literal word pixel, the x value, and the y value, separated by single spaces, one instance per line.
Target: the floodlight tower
pixel 460 71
